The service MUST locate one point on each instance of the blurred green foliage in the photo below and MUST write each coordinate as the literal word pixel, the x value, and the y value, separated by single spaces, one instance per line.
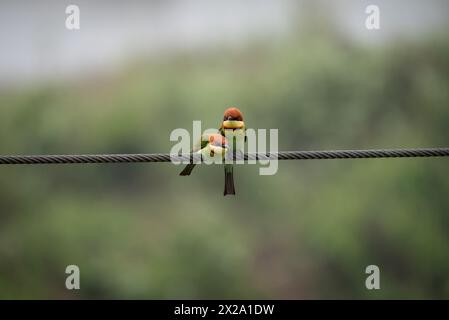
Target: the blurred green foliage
pixel 141 231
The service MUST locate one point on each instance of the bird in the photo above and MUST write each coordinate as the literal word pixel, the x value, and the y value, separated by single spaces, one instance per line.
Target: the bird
pixel 234 129
pixel 210 145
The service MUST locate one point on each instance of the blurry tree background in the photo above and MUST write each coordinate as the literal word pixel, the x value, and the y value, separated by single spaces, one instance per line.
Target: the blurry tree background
pixel 141 231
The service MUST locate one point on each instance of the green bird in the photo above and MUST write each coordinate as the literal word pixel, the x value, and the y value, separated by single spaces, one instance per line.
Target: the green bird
pixel 233 128
pixel 209 146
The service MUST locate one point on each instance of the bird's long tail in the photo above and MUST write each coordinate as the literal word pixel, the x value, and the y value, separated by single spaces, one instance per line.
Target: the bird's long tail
pixel 188 169
pixel 229 180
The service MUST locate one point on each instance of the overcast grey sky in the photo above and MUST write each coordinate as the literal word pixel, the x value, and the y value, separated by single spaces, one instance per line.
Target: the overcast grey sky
pixel 35 43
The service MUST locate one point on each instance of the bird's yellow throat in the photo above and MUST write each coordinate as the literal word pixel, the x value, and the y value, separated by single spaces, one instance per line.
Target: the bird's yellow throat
pixel 233 124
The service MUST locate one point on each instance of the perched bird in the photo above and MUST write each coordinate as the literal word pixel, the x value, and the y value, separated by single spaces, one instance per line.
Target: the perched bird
pixel 233 128
pixel 209 146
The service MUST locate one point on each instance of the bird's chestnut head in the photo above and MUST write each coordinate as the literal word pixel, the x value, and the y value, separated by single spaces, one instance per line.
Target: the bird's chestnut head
pixel 233 119
pixel 233 114
pixel 218 140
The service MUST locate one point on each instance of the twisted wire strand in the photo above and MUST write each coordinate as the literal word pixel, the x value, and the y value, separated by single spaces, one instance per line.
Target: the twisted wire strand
pixel 196 158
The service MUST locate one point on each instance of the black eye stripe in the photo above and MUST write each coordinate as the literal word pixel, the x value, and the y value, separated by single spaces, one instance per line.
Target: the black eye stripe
pixel 232 119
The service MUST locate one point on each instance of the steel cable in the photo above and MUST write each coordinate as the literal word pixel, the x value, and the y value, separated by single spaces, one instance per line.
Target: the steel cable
pixel 166 157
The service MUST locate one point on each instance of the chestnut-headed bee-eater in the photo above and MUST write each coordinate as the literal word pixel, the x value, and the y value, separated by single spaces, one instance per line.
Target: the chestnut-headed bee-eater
pixel 209 146
pixel 234 129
